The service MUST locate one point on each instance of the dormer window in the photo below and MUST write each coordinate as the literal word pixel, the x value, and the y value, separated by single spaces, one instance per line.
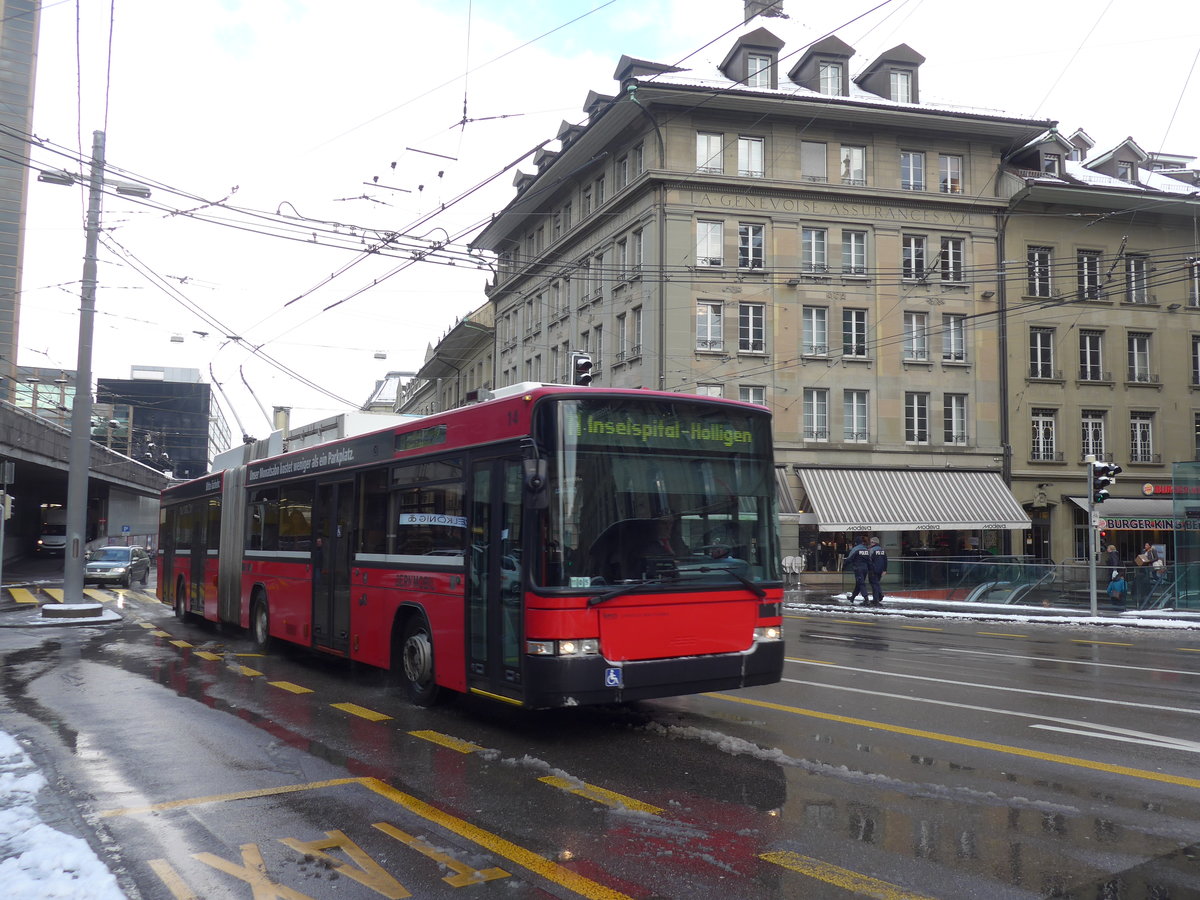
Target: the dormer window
pixel 831 78
pixel 758 70
pixel 902 85
pixel 1052 163
pixel 1125 171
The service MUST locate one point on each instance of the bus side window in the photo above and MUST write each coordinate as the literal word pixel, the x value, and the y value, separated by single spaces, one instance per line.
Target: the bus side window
pixel 262 527
pixel 373 525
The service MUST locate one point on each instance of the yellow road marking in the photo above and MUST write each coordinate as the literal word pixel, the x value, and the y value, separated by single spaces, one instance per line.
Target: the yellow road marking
pixel 515 853
pixel 259 655
pixel 149 626
pixel 181 643
pixel 288 686
pixel 252 673
pixel 23 595
pixel 204 654
pixel 921 628
pixel 818 662
pixel 1000 634
pixel 55 594
pixel 446 740
pixel 179 888
pixel 1189 649
pixel 361 711
pixel 853 622
pixel 969 742
pixel 1104 643
pixel 464 874
pixel 863 885
pixel 96 594
pixel 599 794
pixel 161 633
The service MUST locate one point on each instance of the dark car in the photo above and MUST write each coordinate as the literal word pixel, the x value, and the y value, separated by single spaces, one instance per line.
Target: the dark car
pixel 117 565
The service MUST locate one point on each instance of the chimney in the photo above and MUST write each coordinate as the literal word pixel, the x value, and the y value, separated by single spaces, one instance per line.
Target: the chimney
pixel 768 9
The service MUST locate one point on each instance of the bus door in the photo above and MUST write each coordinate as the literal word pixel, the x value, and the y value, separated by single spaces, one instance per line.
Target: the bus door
pixel 494 577
pixel 198 522
pixel 331 554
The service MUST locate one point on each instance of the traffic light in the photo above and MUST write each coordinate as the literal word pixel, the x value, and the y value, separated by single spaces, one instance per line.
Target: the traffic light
pixel 1103 475
pixel 581 368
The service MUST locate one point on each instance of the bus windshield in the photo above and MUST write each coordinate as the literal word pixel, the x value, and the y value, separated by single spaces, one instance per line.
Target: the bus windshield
pixel 678 491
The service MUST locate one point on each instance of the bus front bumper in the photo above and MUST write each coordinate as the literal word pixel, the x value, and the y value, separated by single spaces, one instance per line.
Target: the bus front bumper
pixel 590 680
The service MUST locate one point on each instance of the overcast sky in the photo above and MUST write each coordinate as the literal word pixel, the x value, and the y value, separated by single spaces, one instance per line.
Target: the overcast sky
pixel 262 126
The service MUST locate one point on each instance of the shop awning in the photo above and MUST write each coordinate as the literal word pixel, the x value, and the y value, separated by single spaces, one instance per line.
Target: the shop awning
pixel 1143 514
pixel 910 500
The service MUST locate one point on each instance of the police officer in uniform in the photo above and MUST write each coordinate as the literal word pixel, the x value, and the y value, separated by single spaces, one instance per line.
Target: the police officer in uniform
pixel 876 568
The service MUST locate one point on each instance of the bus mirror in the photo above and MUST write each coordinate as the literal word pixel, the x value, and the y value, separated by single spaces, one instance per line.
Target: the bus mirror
pixel 535 482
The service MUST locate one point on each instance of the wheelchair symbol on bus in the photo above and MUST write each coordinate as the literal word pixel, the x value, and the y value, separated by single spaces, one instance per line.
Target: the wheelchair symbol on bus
pixel 612 677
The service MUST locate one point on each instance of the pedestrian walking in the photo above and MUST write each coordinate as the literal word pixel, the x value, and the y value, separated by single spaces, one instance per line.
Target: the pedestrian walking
pixel 1113 562
pixel 856 562
pixel 1117 588
pixel 876 568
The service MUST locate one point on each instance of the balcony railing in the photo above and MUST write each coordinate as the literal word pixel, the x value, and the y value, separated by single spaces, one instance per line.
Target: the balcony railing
pixel 1142 378
pixel 1144 456
pixel 1089 374
pixel 1046 456
pixel 710 344
pixel 1045 373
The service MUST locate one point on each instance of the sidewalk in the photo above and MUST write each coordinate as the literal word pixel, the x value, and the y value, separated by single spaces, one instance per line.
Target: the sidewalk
pixel 895 602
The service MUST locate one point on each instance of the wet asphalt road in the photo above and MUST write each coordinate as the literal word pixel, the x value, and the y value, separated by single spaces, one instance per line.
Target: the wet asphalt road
pixel 898 759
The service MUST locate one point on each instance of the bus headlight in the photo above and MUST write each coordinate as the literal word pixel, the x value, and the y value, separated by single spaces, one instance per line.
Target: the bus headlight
pixel 769 633
pixel 568 647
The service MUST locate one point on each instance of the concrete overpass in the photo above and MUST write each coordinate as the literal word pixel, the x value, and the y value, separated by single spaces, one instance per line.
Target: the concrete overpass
pixel 122 493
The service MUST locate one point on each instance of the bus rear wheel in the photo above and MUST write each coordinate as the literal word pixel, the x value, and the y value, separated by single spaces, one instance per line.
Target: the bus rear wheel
pixel 416 663
pixel 181 610
pixel 260 624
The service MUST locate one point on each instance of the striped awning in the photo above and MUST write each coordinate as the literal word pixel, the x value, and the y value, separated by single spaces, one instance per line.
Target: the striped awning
pixel 910 500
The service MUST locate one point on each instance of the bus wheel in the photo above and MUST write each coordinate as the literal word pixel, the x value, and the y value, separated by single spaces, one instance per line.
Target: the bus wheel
pixel 260 624
pixel 181 611
pixel 416 654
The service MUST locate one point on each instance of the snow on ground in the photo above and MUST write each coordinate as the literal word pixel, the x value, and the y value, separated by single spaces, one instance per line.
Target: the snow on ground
pixel 36 861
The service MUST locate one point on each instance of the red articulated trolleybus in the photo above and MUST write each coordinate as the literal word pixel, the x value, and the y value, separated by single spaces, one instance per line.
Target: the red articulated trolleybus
pixel 549 547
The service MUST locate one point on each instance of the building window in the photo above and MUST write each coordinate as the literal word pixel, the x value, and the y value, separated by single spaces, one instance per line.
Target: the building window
pixel 622 337
pixel 855 429
pixel 854 253
pixel 1092 424
pixel 709 390
pixel 708 153
pixel 1044 444
pixel 950 174
pixel 1141 437
pixel 751 157
pixel 1138 346
pixel 830 78
pixel 854 165
pixel 954 419
pixel 1137 279
pixel 901 84
pixel 854 333
pixel 599 191
pixel 816 331
pixel 623 259
pixel 812 250
pixel 636 250
pixel 1194 282
pixel 585 203
pixel 1038 262
pixel 750 246
pixel 916 418
pixel 814 162
pixel 635 337
pixel 758 71
pixel 710 241
pixel 1052 163
pixel 913 256
pixel 1091 357
pixel 1041 353
pixel 1196 436
pixel 816 414
pixel 621 172
pixel 637 160
pixel 912 170
pixel 751 393
pixel 954 337
pixel 709 327
pixel 1196 362
pixel 751 327
pixel 950 261
pixel 916 336
pixel 1125 171
pixel 1088 274
pixel 566 216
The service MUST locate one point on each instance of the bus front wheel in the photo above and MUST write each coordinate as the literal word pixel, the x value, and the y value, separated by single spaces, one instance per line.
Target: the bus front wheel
pixel 260 624
pixel 416 658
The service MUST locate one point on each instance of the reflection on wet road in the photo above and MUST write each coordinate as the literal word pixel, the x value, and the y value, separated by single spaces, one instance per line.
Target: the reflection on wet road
pixel 897 759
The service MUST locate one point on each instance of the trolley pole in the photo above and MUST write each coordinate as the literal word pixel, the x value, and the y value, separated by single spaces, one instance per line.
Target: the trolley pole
pixel 81 411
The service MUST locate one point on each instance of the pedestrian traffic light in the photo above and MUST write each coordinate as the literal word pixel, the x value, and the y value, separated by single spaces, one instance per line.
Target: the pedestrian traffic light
pixel 1103 475
pixel 581 368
